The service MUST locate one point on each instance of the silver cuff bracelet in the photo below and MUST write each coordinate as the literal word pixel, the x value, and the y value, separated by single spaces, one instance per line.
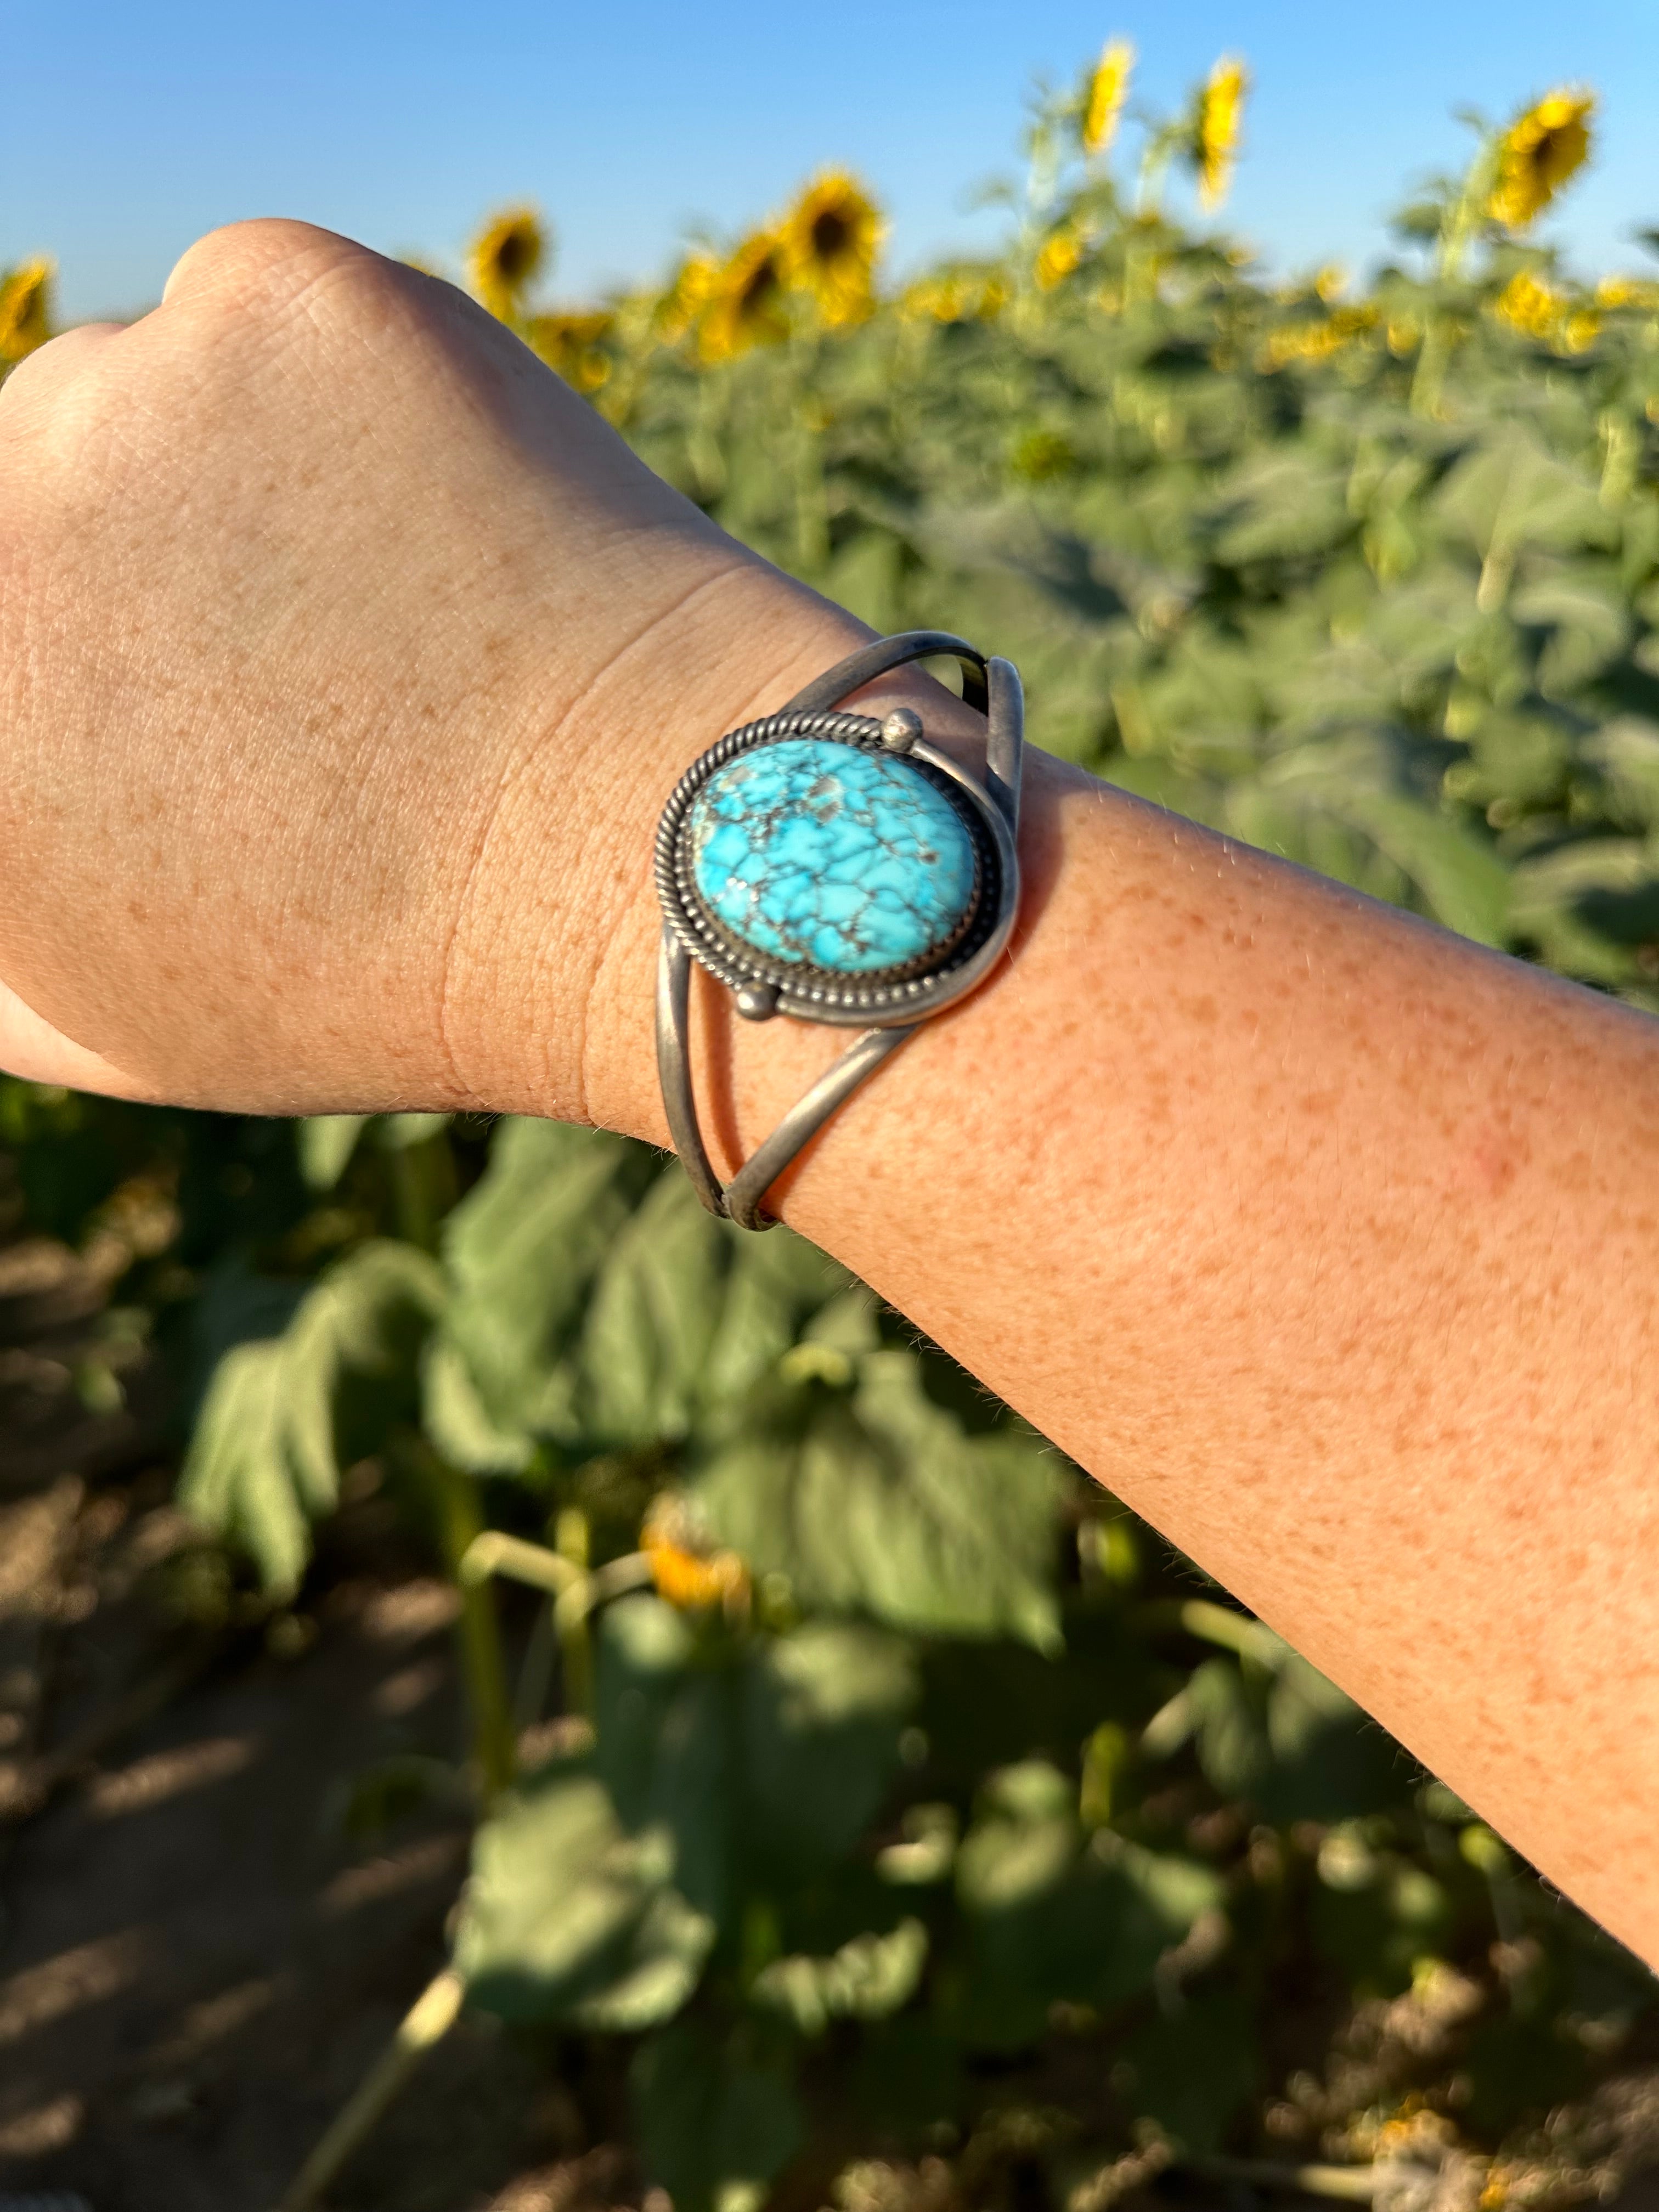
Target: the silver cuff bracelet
pixel 837 868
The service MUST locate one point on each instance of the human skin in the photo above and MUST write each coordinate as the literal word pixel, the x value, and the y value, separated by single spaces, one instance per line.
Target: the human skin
pixel 347 661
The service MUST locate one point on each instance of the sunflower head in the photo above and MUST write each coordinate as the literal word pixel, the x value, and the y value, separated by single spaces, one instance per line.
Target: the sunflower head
pixel 828 242
pixel 688 1571
pixel 965 294
pixel 1104 94
pixel 747 305
pixel 1546 143
pixel 23 304
pixel 687 294
pixel 1217 122
pixel 505 258
pixel 1060 252
pixel 1535 309
pixel 574 345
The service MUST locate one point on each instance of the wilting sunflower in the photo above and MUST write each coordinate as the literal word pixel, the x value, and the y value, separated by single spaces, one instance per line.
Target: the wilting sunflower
pixel 1542 148
pixel 1109 87
pixel 23 324
pixel 747 306
pixel 830 240
pixel 505 258
pixel 1216 128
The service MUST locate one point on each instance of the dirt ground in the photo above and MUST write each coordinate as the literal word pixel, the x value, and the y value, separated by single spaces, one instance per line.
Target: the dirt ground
pixel 200 1954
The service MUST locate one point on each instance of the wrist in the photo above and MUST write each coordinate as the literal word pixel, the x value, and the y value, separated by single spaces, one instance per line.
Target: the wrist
pixel 548 993
pixel 552 982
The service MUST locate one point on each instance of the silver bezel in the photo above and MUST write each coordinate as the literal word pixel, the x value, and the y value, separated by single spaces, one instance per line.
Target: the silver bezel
pixel 813 995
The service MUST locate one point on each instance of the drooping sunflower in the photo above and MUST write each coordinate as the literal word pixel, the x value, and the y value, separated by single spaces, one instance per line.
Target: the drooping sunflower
pixel 747 306
pixel 830 240
pixel 23 319
pixel 505 258
pixel 1107 89
pixel 1216 124
pixel 1546 143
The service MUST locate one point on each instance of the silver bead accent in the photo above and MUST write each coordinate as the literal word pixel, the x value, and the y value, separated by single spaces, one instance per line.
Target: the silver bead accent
pixel 901 729
pixel 757 1002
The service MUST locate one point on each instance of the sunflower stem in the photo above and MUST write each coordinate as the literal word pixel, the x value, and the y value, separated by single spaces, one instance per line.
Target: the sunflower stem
pixel 424 2026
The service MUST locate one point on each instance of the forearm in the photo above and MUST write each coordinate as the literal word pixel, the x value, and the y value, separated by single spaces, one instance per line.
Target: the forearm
pixel 332 760
pixel 1322 1237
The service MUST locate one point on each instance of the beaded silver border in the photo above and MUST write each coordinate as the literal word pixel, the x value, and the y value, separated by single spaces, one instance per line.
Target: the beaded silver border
pixel 765 987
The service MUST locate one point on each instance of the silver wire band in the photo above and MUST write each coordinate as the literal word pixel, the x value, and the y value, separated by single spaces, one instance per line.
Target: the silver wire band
pixel 993 687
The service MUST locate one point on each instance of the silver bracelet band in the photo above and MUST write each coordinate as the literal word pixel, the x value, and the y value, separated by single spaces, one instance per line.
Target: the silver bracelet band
pixel 836 868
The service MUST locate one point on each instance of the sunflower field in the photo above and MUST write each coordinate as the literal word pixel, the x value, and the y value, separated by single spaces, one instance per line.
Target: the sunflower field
pixel 899 1820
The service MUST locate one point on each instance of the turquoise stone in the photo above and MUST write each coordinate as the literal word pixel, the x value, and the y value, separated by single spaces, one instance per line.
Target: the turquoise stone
pixel 815 852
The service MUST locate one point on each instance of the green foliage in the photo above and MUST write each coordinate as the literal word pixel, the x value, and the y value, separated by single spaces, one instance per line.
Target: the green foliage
pixel 286 1414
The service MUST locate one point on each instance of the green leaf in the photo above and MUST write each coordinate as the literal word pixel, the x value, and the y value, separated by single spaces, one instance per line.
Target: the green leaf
pixel 868 1978
pixel 1509 492
pixel 1193 2068
pixel 599 1306
pixel 569 1917
pixel 823 1709
pixel 666 1714
pixel 282 1418
pixel 521 1251
pixel 868 1497
pixel 1054 1918
pixel 717 2118
pixel 325 1143
pixel 687 1311
pixel 1287 1741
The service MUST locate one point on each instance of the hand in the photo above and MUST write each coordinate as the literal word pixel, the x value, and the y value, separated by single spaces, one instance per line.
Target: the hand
pixel 348 658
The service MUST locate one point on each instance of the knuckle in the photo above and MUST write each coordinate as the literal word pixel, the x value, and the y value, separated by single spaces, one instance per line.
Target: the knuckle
pixel 268 257
pixel 50 368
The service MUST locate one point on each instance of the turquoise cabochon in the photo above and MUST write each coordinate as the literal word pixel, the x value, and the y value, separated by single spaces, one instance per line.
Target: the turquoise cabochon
pixel 823 855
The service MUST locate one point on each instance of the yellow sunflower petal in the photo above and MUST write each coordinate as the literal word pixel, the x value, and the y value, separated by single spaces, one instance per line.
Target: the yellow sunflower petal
pixel 24 322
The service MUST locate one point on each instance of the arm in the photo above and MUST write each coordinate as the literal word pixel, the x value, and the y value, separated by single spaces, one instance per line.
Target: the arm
pixel 348 661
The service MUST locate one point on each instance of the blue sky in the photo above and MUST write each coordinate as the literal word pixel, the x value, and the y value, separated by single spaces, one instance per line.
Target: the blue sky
pixel 131 129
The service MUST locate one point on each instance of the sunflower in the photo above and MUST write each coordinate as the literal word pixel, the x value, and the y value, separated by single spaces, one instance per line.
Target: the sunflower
pixel 23 324
pixel 688 292
pixel 1536 310
pixel 1216 128
pixel 1107 89
pixel 969 294
pixel 1060 252
pixel 1628 292
pixel 1544 146
pixel 573 345
pixel 504 258
pixel 686 1569
pixel 830 240
pixel 747 306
